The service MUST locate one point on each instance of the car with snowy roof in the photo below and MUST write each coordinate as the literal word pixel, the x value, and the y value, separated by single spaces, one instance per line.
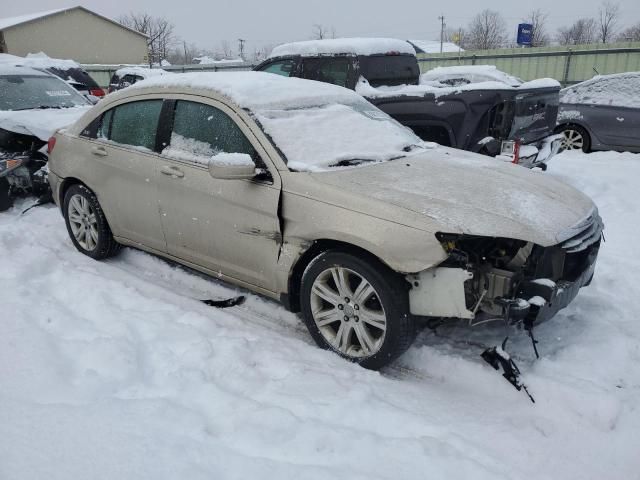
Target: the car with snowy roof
pixel 306 193
pixel 602 113
pixel 33 104
pixel 67 70
pixel 127 76
pixel 491 117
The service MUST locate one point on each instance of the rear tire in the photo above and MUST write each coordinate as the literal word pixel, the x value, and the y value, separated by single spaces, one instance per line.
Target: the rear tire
pixel 356 307
pixel 575 138
pixel 87 224
pixel 6 202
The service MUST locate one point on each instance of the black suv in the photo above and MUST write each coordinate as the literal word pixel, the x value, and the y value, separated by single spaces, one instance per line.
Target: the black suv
pixel 495 121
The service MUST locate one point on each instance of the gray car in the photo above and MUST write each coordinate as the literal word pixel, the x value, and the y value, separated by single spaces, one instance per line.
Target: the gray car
pixel 601 114
pixel 305 192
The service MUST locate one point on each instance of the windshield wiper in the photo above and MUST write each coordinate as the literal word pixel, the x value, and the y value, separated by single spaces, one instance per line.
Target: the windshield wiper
pixel 38 107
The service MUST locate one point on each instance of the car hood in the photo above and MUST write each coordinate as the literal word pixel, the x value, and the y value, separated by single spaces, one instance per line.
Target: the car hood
pixel 460 192
pixel 41 123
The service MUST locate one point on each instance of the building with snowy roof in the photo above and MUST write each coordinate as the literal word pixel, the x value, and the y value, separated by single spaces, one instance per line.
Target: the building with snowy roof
pixel 76 33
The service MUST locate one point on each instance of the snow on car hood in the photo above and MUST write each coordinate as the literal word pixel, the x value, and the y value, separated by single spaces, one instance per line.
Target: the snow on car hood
pixel 40 123
pixel 462 192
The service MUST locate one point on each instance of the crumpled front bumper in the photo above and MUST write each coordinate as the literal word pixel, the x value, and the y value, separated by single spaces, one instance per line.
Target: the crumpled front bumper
pixel 545 298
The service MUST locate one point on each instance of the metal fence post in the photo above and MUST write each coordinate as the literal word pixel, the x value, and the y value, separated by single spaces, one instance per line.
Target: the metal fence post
pixel 567 66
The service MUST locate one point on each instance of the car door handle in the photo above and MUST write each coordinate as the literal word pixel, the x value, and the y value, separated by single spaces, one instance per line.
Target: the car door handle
pixel 100 151
pixel 172 171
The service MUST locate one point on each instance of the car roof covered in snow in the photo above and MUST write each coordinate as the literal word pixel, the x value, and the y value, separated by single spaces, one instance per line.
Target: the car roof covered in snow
pixel 39 60
pixel 144 72
pixel 335 46
pixel 251 90
pixel 10 69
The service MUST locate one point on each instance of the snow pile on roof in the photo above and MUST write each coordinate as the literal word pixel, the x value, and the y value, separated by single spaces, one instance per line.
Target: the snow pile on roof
pixel 38 60
pixel 11 69
pixel 13 21
pixel 207 60
pixel 256 90
pixel 353 46
pixel 620 89
pixel 472 73
pixel 433 46
pixel 144 72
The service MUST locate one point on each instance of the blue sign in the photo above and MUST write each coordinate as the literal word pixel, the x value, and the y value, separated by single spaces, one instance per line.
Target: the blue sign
pixel 525 32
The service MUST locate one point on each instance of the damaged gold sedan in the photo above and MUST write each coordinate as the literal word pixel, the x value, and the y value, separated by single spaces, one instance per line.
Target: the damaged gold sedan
pixel 306 193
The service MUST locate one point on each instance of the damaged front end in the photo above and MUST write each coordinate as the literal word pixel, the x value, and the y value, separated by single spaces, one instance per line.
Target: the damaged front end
pixel 520 283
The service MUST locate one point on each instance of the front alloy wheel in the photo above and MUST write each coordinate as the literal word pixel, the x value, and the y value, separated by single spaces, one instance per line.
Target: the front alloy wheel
pixel 357 307
pixel 348 312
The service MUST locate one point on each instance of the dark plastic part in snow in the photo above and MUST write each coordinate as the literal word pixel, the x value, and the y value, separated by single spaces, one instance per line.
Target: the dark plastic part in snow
pixel 498 358
pixel 229 302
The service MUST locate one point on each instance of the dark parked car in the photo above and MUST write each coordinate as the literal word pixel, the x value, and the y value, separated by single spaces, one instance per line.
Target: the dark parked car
pixel 492 119
pixel 601 114
pixel 33 105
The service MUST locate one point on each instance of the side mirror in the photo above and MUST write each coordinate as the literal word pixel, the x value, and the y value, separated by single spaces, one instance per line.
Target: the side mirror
pixel 232 166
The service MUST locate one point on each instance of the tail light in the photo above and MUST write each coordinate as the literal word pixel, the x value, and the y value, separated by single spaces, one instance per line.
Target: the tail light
pixel 50 144
pixel 516 152
pixel 96 92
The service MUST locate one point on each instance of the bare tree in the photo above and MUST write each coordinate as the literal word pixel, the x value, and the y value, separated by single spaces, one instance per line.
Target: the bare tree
pixel 321 32
pixel 159 31
pixel 631 34
pixel 225 50
pixel 455 35
pixel 487 30
pixel 609 13
pixel 584 30
pixel 538 18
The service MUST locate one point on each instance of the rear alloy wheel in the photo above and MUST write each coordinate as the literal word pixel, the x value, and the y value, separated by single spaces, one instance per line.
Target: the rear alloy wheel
pixel 575 138
pixel 356 309
pixel 87 225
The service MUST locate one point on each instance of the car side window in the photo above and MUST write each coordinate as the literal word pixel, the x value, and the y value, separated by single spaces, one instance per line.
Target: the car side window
pixel 201 131
pixel 328 70
pixel 283 67
pixel 133 124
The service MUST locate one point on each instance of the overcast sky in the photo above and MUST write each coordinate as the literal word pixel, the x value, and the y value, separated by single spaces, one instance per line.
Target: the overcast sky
pixel 260 22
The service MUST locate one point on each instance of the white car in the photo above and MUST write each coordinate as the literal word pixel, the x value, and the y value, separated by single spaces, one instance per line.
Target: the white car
pixel 305 192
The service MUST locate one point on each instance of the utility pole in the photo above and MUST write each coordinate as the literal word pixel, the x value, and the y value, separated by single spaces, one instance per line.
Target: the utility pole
pixel 184 45
pixel 241 47
pixel 441 18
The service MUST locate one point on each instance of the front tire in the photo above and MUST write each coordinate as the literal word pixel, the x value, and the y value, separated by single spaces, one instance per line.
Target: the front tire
pixel 574 138
pixel 87 224
pixel 356 307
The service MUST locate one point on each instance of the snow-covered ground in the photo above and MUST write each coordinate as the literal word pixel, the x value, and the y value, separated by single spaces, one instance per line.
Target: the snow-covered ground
pixel 111 371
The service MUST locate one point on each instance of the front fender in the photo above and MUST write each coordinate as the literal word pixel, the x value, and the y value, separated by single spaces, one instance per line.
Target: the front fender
pixel 402 248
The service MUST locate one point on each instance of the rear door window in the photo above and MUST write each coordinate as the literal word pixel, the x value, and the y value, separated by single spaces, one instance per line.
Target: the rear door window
pixel 328 70
pixel 283 67
pixel 134 124
pixel 201 131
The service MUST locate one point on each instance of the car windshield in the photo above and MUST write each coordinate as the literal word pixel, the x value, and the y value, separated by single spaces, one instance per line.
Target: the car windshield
pixel 25 92
pixel 332 135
